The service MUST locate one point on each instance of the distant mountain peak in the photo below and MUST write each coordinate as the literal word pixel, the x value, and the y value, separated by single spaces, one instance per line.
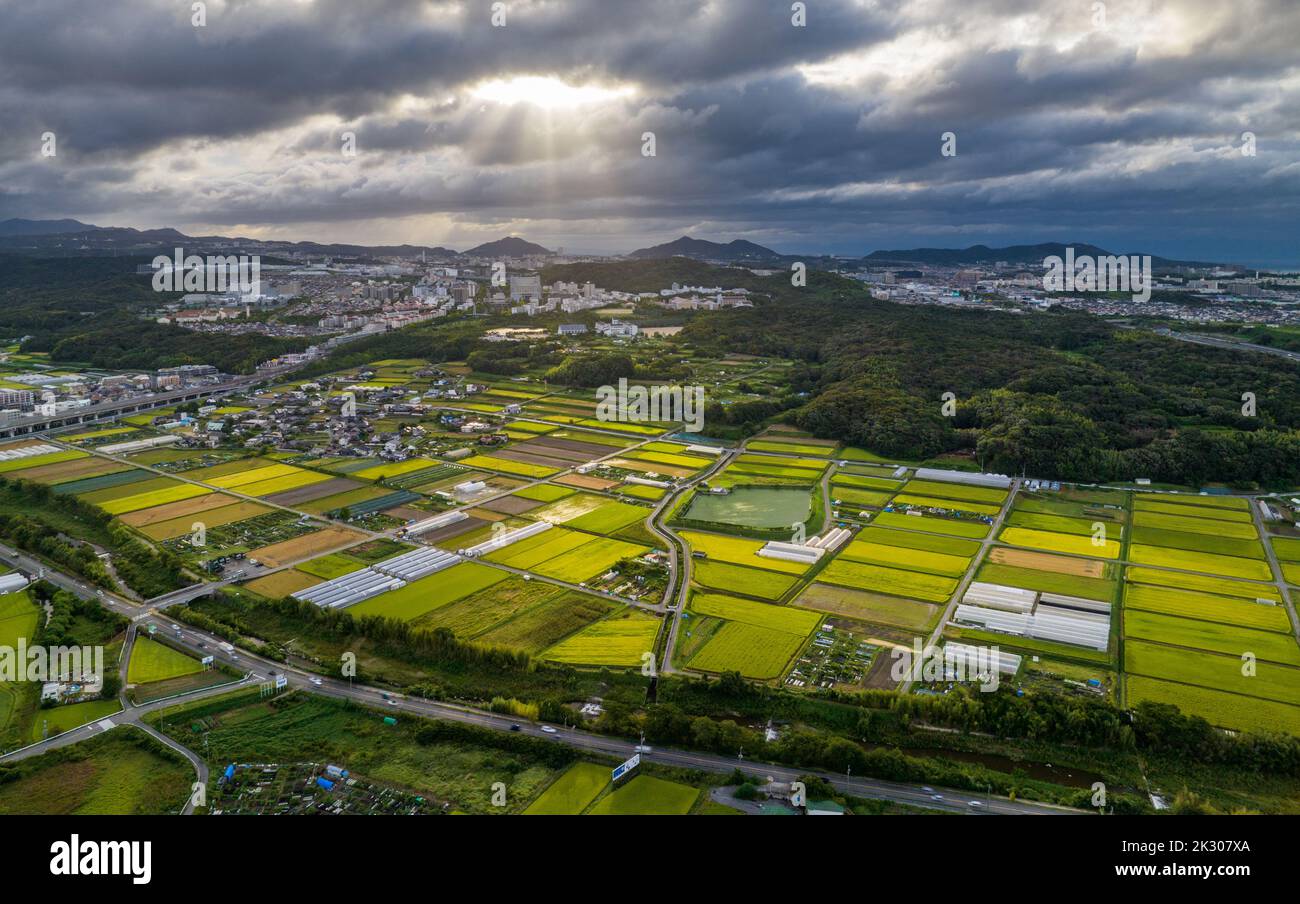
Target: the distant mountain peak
pixel 510 246
pixel 20 226
pixel 687 246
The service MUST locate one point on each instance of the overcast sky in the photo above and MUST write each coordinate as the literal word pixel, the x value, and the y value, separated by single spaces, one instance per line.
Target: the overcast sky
pixel 1122 126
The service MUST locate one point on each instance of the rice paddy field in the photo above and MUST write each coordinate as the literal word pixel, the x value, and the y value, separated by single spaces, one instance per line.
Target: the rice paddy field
pixel 572 792
pixel 1217 707
pixel 174 492
pixel 894 581
pixel 1209 607
pixel 974 530
pixel 620 640
pixel 866 606
pixel 589 560
pixel 756 582
pixel 645 795
pixel 755 652
pixel 1218 672
pixel 507 466
pixel 910 559
pixel 737 551
pixel 432 592
pixel 1052 541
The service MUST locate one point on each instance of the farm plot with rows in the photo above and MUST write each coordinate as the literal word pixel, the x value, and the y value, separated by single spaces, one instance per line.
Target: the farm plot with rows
pixel 620 640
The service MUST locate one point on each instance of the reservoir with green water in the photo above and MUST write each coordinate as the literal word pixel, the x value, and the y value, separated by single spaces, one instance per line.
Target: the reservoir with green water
pixel 762 507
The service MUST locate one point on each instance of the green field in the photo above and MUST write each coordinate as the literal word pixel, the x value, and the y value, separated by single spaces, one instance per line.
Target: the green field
pixel 793 448
pixel 572 792
pixel 154 498
pixel 768 585
pixel 1192 509
pixel 1228 566
pixel 394 468
pixel 1047 581
pixel 121 773
pixel 534 550
pixel 1212 670
pixel 982 508
pixel 239 477
pixel 644 795
pixel 975 530
pixel 507 466
pixel 913 540
pixel 854 496
pixel 1175 539
pixel 609 517
pixel 1213 636
pixel 589 560
pixel 870 607
pixel 1061 524
pixel 432 592
pixel 154 661
pixel 911 584
pixel 901 557
pixel 1227 610
pixel 738 551
pixel 1204 583
pixel 280 484
pixel 70 716
pixel 1286 548
pixel 621 640
pixel 960 491
pixel 1054 542
pixel 36 461
pixel 559 614
pixel 544 492
pixel 755 652
pixel 842 479
pixel 1217 707
pixel 763 615
pixel 331 566
pixel 1164 521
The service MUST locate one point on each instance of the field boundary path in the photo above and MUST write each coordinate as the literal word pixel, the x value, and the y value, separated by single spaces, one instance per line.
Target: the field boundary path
pixel 976 562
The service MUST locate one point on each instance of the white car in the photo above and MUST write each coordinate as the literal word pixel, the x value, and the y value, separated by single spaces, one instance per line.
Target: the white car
pixel 548 729
pixel 936 797
pixel 976 803
pixel 317 682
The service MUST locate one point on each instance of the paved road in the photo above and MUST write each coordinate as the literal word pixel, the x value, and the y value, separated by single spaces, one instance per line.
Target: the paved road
pixel 201 643
pixel 969 575
pixel 679 576
pixel 1234 345
pixel 1279 579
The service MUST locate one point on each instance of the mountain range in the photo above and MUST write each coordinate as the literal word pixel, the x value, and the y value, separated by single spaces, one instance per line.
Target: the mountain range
pixel 67 236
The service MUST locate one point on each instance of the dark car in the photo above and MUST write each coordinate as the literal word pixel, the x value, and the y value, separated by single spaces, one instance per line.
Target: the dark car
pixel 514 726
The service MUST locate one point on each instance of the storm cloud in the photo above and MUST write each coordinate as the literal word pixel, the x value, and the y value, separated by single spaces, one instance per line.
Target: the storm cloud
pixel 1120 123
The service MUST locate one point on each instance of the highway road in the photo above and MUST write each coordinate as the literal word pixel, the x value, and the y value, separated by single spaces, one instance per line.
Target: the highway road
pixel 257 670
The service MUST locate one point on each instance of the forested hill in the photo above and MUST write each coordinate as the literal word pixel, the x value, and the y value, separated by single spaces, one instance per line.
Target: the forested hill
pixel 88 310
pixel 1054 394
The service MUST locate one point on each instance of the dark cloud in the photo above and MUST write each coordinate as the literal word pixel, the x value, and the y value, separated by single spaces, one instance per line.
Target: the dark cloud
pixel 818 138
